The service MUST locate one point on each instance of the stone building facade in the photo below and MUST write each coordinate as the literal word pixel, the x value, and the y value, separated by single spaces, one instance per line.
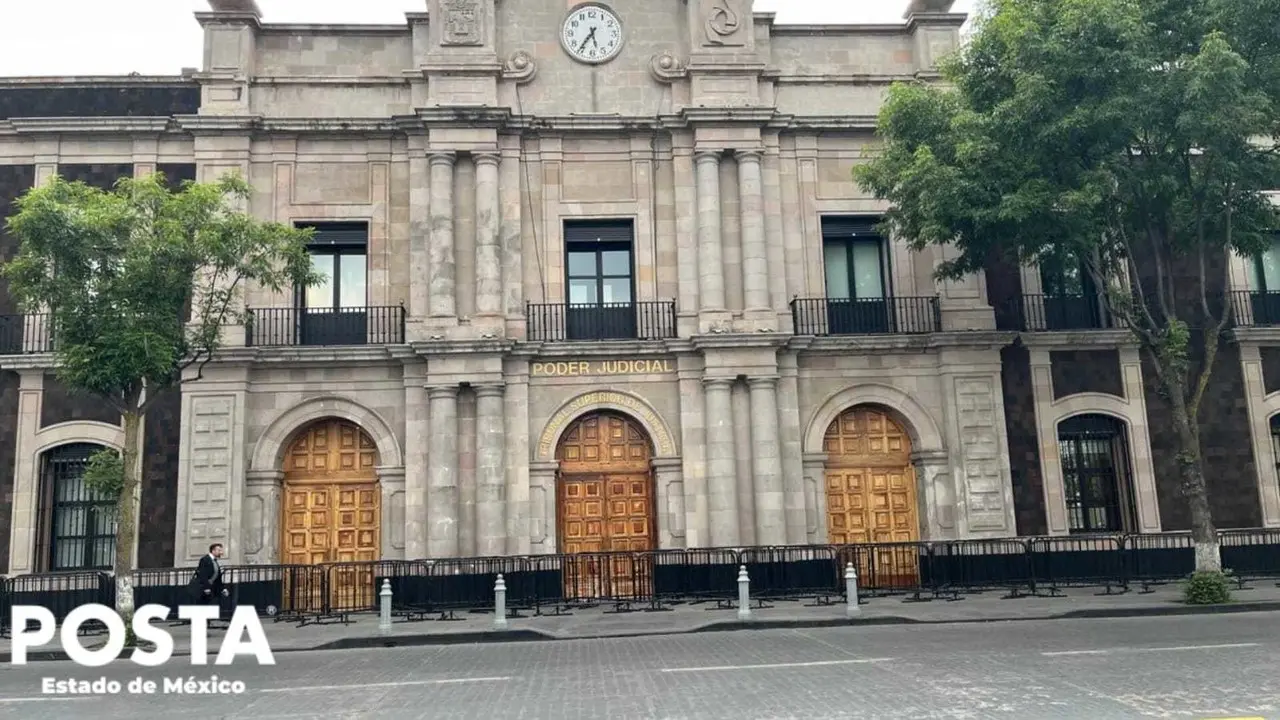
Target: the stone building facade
pixel 599 279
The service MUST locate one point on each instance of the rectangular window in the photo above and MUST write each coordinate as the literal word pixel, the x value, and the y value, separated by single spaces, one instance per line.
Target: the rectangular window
pixel 335 310
pixel 600 281
pixel 1095 477
pixel 1268 264
pixel 854 258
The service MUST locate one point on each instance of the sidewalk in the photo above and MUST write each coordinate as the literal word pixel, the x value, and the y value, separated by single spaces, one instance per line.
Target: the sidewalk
pixel 603 622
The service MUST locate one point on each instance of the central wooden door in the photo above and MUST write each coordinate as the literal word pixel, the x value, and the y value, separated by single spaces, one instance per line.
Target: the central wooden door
pixel 605 504
pixel 871 493
pixel 332 512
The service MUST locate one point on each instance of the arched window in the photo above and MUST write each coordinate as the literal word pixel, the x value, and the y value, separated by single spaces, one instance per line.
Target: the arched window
pixel 1095 474
pixel 77 525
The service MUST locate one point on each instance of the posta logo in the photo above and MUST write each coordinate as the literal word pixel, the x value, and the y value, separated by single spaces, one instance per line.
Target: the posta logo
pixel 243 621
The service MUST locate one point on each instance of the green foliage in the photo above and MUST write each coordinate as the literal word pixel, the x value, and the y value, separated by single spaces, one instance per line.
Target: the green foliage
pixel 1207 588
pixel 104 474
pixel 123 271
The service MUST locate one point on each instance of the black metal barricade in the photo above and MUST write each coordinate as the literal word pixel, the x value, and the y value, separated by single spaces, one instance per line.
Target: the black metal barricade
pixel 1078 561
pixel 890 568
pixel 466 584
pixel 303 593
pixel 545 579
pixel 168 587
pixel 1158 559
pixel 60 593
pixel 6 607
pixel 622 579
pixel 694 575
pixel 1251 554
pixel 968 566
pixel 791 573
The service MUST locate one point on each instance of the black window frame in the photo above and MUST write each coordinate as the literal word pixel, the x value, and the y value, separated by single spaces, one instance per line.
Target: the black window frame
pixel 336 239
pixel 58 465
pixel 600 320
pixel 1117 502
pixel 848 229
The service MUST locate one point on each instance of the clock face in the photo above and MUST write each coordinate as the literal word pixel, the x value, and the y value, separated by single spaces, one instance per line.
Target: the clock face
pixel 592 34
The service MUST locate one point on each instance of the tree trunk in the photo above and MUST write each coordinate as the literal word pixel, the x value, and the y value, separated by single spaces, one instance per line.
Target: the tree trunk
pixel 1191 473
pixel 127 516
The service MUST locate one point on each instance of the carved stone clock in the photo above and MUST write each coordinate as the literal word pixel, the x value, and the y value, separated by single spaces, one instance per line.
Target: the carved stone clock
pixel 592 33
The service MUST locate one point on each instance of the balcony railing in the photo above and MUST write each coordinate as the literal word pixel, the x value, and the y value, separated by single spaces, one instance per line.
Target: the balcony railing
pixel 25 334
pixel 1041 313
pixel 1255 309
pixel 276 327
pixel 559 322
pixel 875 316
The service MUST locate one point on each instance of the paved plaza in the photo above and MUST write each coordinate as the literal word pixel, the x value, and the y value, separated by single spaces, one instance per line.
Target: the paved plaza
pixel 1207 666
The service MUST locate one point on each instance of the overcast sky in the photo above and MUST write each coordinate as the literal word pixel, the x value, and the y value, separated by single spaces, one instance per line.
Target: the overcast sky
pixel 160 37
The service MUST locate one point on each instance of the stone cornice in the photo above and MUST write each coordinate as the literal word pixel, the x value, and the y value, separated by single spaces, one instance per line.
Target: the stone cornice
pixel 29 361
pixel 965 340
pixel 493 346
pixel 722 341
pixel 1257 335
pixel 1077 339
pixel 944 19
pixel 51 81
pixel 310 355
pixel 608 348
pixel 92 125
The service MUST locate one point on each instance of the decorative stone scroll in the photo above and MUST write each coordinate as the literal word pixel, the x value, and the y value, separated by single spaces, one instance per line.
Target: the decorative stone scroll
pixel 605 399
pixel 461 22
pixel 666 67
pixel 723 24
pixel 520 67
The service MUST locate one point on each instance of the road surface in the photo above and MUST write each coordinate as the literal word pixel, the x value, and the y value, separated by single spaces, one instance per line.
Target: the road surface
pixel 1207 666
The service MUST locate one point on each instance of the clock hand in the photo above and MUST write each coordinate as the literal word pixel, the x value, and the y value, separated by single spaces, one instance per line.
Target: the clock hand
pixel 591 37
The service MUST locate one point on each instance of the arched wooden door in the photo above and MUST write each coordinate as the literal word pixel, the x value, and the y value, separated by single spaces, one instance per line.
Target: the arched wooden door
pixel 871 493
pixel 605 503
pixel 332 509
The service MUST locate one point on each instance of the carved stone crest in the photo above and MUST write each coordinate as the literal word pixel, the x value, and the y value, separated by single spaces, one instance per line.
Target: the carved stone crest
pixel 723 23
pixel 461 22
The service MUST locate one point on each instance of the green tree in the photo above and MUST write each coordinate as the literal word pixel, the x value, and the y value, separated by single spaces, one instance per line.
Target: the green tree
pixel 1134 137
pixel 139 282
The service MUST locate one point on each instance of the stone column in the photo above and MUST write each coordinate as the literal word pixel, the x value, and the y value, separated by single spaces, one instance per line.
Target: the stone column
pixel 668 476
pixel 491 471
pixel 391 481
pixel 722 473
pixel 260 534
pixel 710 261
pixel 419 229
pixel 755 252
pixel 416 437
pixel 442 473
pixel 542 507
pixel 815 490
pixel 441 282
pixel 516 400
pixel 488 248
pixel 771 519
pixel 791 449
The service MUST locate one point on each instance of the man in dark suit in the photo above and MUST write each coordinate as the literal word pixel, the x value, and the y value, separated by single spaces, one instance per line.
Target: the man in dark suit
pixel 206 584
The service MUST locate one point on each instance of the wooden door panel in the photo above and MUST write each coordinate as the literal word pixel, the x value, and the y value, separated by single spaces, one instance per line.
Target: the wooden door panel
pixel 871 492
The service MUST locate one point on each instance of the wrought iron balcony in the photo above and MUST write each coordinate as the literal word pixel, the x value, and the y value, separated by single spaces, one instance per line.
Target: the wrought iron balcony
pixel 25 334
pixel 1255 309
pixel 873 316
pixel 1046 313
pixel 277 327
pixel 560 322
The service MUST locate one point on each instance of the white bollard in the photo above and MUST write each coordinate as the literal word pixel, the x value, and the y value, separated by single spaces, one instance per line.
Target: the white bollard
pixel 500 604
pixel 744 594
pixel 384 607
pixel 851 608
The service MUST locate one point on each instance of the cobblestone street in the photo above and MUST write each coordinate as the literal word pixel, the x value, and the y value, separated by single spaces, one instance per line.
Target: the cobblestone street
pixel 1166 667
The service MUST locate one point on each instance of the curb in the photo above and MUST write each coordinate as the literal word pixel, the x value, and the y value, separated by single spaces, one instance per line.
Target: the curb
pixel 481 637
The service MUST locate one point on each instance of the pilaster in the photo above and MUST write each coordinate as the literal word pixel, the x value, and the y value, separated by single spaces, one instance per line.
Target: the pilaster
pixel 26 480
pixel 722 492
pixel 518 500
pixel 668 477
pixel 417 437
pixel 793 482
pixel 771 521
pixel 442 473
pixel 391 480
pixel 712 312
pixel 542 507
pixel 441 279
pixel 230 41
pixel 814 467
pixel 263 493
pixel 491 519
pixel 757 306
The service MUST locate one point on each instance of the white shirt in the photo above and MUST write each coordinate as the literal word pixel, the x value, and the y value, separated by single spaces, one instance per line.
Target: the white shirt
pixel 217 569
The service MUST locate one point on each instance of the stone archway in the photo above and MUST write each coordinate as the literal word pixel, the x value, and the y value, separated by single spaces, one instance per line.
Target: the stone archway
pixel 871 493
pixel 605 502
pixel 332 510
